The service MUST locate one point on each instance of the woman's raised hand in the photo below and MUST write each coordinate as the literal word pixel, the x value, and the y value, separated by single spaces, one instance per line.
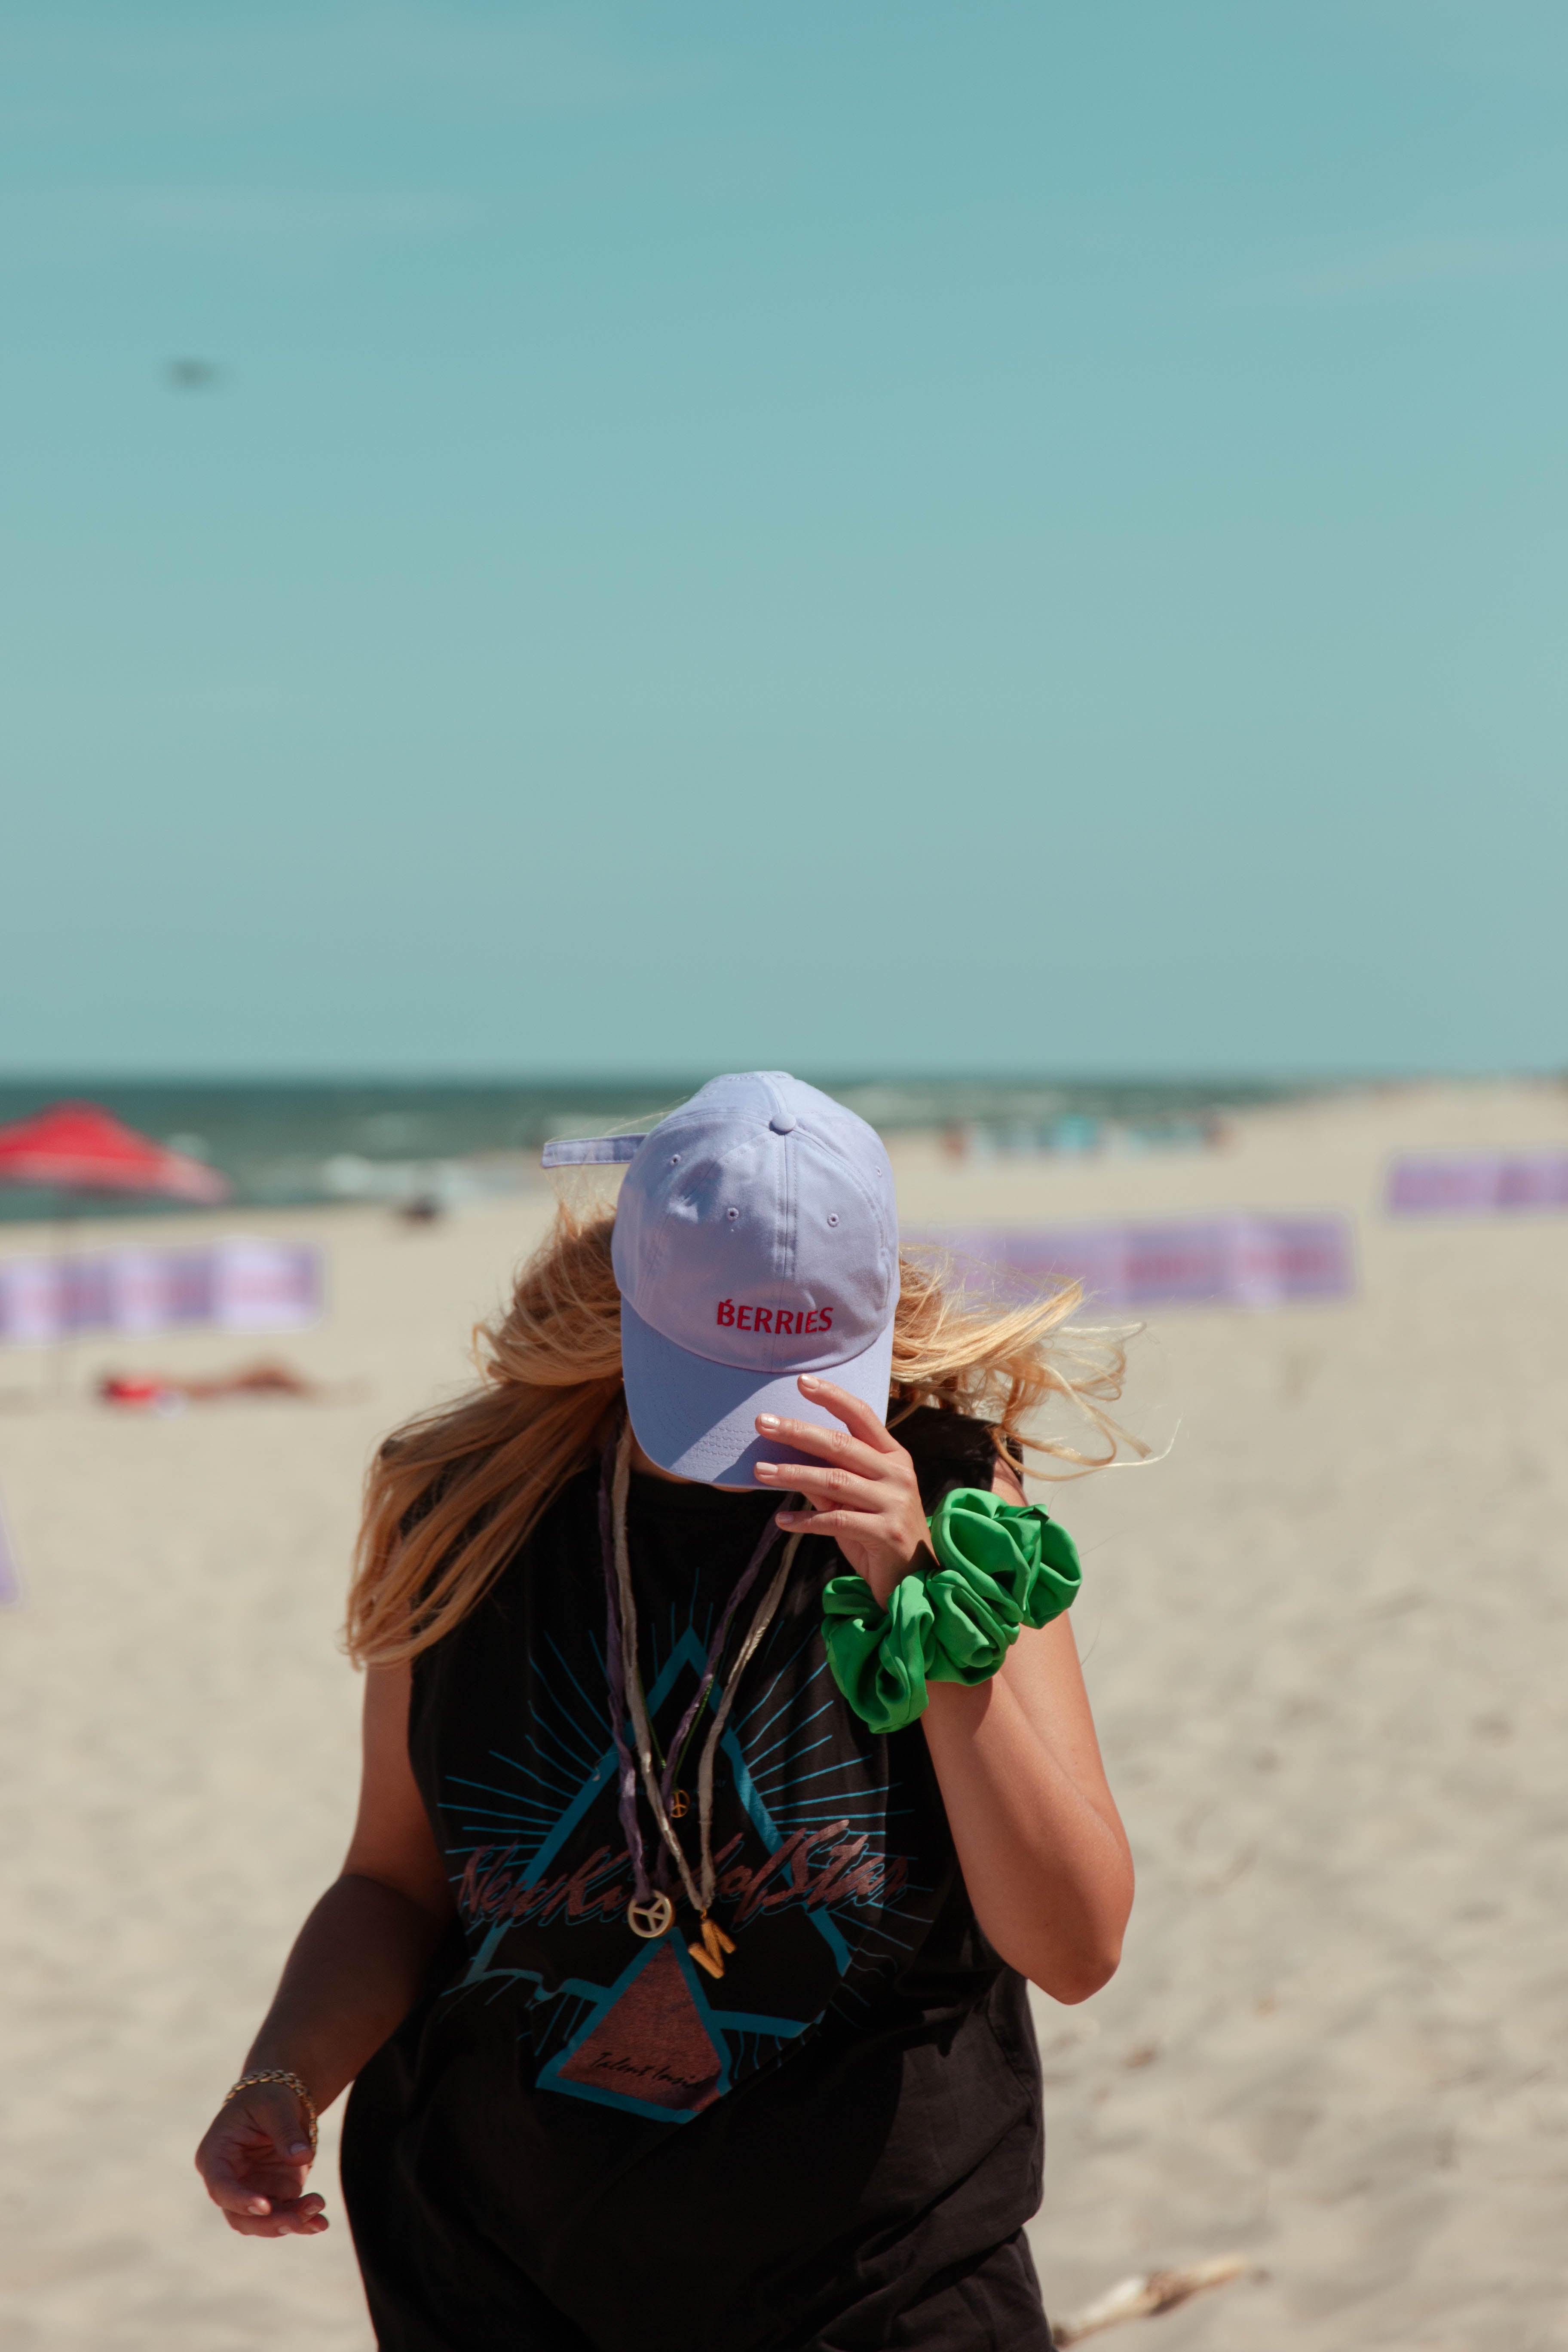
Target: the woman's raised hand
pixel 254 2161
pixel 862 1489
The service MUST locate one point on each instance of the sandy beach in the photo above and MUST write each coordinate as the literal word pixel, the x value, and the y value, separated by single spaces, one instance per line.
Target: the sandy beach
pixel 1324 1637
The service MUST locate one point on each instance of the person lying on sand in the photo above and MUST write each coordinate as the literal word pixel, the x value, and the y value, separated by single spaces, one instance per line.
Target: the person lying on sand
pixel 163 1389
pixel 710 1828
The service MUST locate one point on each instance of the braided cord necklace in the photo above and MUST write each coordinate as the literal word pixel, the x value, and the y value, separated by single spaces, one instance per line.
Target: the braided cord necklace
pixel 650 1912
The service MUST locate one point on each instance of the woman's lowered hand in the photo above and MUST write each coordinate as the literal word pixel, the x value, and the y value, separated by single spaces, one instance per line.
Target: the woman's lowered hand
pixel 254 2161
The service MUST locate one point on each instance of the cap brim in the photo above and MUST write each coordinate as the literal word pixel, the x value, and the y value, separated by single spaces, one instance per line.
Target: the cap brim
pixel 696 1418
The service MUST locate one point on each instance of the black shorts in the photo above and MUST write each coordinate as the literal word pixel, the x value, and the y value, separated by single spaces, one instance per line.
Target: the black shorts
pixel 492 2307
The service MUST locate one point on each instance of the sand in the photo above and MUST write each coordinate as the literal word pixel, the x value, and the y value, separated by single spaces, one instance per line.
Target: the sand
pixel 1323 1637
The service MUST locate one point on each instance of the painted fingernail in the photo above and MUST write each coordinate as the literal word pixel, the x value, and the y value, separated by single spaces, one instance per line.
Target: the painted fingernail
pixel 767 1420
pixel 301 2147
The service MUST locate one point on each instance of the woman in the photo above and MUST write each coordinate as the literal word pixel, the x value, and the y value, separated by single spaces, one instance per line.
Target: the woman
pixel 679 1957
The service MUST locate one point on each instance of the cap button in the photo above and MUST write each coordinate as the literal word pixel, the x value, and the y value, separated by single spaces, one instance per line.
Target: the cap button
pixel 783 1122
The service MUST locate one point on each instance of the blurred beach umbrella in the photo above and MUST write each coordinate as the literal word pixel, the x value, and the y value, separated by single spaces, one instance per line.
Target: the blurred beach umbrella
pixel 77 1150
pixel 75 1147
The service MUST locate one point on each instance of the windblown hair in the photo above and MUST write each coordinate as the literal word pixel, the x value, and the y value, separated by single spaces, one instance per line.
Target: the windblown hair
pixel 453 1493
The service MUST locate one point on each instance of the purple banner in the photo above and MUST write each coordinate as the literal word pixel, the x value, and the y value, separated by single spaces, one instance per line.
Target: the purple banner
pixel 238 1284
pixel 1477 1183
pixel 1227 1261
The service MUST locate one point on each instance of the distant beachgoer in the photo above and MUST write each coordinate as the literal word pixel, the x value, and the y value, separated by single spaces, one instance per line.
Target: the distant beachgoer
pixel 163 1389
pixel 728 1770
pixel 423 1209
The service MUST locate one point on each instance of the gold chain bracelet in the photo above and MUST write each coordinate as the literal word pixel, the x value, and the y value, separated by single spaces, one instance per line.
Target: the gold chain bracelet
pixel 279 2074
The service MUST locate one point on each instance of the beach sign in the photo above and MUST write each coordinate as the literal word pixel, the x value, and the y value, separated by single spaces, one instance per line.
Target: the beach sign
pixel 1477 1183
pixel 1254 1260
pixel 239 1284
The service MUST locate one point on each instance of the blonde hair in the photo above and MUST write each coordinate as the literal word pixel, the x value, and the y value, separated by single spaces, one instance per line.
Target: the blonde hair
pixel 453 1493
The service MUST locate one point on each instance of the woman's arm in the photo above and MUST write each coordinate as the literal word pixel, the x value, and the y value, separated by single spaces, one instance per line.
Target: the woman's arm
pixel 357 1968
pixel 1043 1852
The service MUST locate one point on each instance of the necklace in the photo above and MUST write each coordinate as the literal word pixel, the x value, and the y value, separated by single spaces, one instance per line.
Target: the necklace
pixel 650 1913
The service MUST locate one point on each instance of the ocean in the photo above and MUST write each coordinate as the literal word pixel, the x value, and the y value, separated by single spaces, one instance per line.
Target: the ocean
pixel 287 1141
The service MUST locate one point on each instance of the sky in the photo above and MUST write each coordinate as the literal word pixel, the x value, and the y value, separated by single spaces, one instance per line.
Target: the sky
pixel 866 535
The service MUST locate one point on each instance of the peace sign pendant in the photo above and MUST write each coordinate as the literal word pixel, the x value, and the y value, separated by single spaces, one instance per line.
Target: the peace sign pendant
pixel 650 1914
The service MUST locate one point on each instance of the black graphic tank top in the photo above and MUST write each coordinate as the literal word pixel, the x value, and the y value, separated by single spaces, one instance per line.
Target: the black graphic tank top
pixel 582 2142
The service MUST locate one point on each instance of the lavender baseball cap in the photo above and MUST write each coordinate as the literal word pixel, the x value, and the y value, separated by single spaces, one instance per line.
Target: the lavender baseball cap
pixel 756 1238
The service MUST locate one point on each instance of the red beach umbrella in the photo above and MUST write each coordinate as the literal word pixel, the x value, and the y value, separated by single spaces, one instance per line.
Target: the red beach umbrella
pixel 75 1147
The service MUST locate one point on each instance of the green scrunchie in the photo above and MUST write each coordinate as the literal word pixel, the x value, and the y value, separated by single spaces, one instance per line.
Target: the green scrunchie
pixel 998 1568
